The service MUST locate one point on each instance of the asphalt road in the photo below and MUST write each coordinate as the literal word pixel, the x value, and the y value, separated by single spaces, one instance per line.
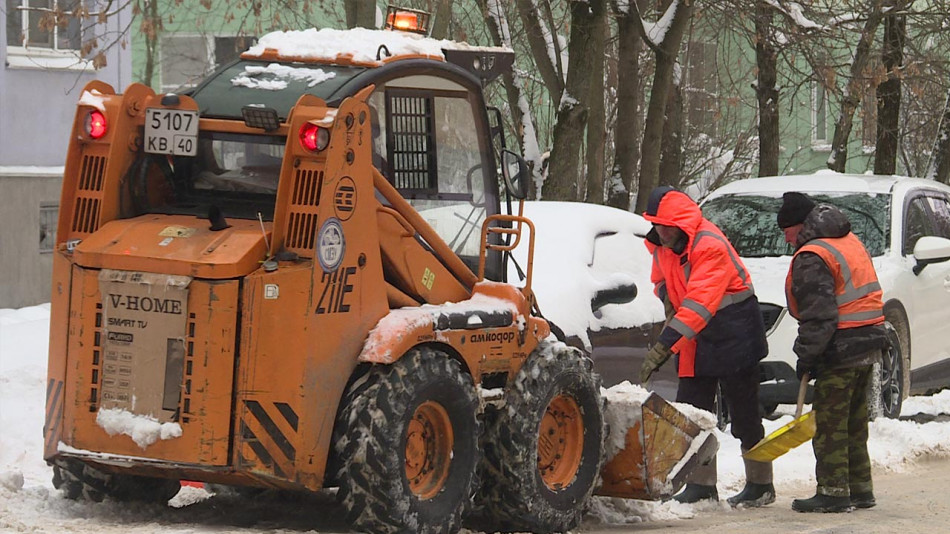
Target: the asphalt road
pixel 912 501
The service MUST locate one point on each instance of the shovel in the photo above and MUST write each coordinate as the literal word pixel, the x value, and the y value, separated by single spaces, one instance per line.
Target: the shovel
pixel 786 438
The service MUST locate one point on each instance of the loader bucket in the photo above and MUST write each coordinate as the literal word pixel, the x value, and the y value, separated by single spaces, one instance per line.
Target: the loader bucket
pixel 658 450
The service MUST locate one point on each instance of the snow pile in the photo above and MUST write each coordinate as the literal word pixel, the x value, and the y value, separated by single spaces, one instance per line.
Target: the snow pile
pixel 624 402
pixel 623 412
pixel 93 98
pixel 189 495
pixel 274 76
pixel 397 323
pixel 143 429
pixel 362 44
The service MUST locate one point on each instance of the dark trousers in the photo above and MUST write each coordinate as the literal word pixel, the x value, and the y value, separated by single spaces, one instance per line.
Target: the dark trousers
pixel 741 393
pixel 842 464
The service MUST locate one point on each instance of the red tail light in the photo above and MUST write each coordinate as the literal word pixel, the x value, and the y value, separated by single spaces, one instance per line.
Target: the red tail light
pixel 95 124
pixel 313 137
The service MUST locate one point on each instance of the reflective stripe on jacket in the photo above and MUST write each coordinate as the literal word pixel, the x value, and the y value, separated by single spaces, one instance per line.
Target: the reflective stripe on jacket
pixel 857 290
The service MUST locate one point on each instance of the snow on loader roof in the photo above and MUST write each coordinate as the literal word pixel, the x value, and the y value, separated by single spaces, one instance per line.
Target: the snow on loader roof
pixel 359 46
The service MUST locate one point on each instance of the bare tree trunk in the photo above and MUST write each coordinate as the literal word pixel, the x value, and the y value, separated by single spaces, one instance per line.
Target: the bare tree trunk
pixel 627 128
pixel 765 90
pixel 853 92
pixel 597 118
pixel 496 22
pixel 671 150
pixel 940 167
pixel 151 27
pixel 666 53
pixel 442 16
pixel 541 41
pixel 889 95
pixel 360 13
pixel 564 170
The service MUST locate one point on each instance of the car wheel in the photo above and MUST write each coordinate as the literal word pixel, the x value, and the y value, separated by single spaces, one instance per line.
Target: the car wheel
pixel 888 383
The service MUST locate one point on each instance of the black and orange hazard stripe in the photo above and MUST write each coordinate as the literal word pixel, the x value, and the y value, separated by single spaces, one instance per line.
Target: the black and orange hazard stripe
pixel 264 433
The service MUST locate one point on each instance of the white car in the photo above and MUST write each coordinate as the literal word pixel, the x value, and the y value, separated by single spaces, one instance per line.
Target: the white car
pixel 592 281
pixel 905 225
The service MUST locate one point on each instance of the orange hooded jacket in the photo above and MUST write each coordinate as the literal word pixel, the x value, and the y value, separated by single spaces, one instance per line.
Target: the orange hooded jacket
pixel 703 278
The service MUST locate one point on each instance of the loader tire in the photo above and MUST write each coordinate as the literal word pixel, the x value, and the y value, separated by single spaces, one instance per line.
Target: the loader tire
pixel 544 449
pixel 127 488
pixel 408 445
pixel 70 483
pixel 84 481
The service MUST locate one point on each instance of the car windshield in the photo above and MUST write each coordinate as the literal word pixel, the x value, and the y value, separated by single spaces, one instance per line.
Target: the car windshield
pixel 749 221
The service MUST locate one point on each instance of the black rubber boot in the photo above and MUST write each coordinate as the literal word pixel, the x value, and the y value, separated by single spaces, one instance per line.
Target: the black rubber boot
pixel 695 493
pixel 822 503
pixel 758 490
pixel 863 500
pixel 753 496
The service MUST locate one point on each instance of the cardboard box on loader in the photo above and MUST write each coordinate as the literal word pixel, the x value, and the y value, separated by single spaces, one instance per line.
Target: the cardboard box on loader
pixel 286 297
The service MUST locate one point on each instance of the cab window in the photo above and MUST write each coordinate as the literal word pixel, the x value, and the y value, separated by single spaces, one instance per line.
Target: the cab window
pixel 428 144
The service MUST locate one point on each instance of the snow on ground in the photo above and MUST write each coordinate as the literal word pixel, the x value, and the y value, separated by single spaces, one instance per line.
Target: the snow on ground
pixel 28 502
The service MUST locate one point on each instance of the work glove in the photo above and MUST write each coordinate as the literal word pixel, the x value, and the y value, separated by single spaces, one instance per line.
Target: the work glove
pixel 655 359
pixel 801 369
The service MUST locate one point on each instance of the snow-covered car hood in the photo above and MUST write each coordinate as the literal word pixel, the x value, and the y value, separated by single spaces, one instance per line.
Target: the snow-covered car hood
pixel 566 276
pixel 768 278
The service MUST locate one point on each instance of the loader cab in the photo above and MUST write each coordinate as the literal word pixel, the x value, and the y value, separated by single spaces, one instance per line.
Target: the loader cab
pixel 432 141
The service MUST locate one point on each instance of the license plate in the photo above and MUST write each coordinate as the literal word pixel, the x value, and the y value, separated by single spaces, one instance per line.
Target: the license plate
pixel 171 131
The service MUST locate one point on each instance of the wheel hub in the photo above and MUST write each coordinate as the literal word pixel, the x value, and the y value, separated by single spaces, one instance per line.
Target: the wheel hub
pixel 891 379
pixel 429 444
pixel 560 442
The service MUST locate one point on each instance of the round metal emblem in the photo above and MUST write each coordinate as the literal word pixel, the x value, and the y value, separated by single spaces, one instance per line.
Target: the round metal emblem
pixel 330 244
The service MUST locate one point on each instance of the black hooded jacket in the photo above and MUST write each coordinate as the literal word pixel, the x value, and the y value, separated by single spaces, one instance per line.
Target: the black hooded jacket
pixel 820 344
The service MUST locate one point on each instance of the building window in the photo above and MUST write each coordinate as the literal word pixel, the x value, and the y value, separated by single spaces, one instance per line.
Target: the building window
pixel 32 24
pixel 37 40
pixel 819 115
pixel 702 88
pixel 49 213
pixel 188 59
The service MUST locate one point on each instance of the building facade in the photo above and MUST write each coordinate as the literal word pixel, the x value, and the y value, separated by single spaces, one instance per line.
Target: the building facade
pixel 41 79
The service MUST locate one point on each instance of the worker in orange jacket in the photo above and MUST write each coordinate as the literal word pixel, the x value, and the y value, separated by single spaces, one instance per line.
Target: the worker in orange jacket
pixel 715 329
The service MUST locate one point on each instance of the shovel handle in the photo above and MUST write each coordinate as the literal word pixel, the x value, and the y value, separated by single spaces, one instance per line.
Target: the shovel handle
pixel 802 389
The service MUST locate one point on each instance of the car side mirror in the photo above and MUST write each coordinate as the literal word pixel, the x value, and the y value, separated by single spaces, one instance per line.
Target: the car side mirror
pixel 515 171
pixel 621 294
pixel 930 249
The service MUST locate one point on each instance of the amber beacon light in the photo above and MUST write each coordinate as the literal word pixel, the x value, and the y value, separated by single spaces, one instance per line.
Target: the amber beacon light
pixel 407 20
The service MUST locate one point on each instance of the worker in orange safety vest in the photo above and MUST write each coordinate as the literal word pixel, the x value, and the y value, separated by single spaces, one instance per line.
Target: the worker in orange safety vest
pixel 834 293
pixel 715 328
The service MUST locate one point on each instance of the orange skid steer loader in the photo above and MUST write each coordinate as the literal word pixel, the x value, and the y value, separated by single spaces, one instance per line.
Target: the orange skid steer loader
pixel 270 282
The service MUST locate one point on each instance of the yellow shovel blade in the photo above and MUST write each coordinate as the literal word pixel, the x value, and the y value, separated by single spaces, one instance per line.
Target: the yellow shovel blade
pixel 783 439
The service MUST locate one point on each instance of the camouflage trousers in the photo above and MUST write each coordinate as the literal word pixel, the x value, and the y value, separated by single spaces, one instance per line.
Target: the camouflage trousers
pixel 842 464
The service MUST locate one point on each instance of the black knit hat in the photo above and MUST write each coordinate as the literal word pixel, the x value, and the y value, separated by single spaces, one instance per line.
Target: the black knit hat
pixel 795 207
